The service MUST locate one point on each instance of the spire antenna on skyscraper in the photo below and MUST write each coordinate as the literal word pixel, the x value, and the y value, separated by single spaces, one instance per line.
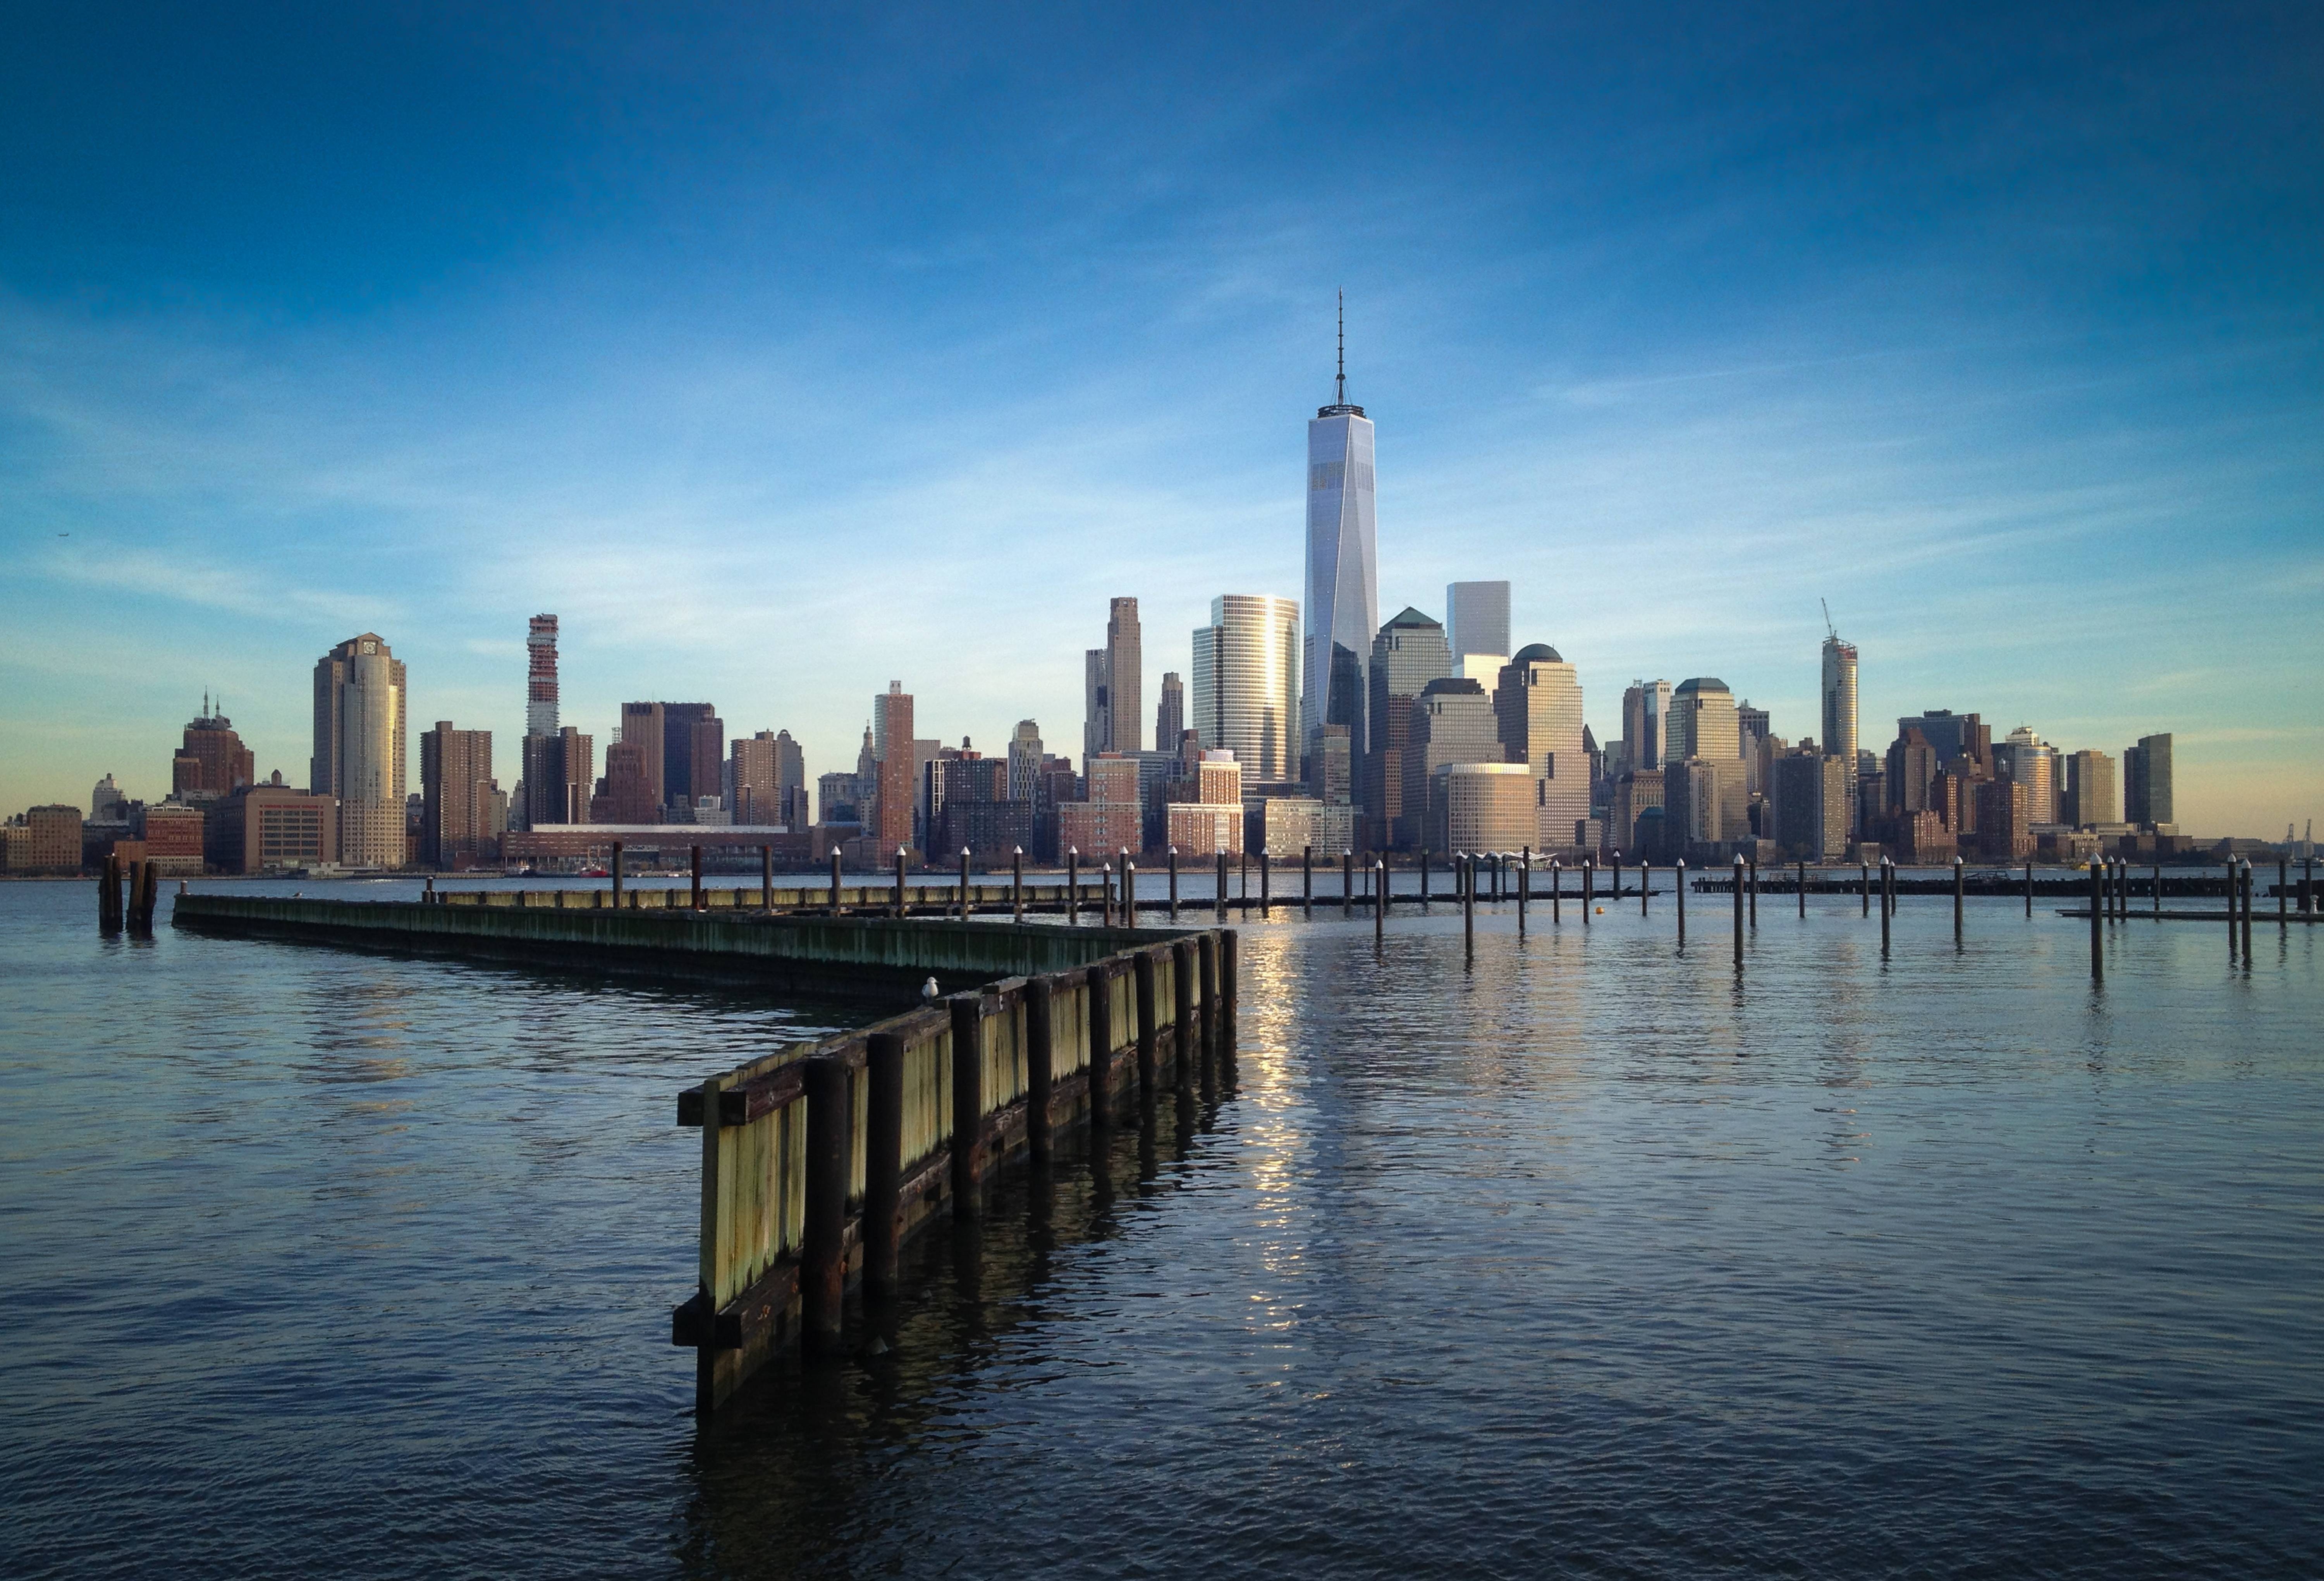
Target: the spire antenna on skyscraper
pixel 1341 383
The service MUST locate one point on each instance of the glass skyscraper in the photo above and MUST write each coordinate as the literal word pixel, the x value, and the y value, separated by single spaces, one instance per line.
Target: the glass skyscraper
pixel 1246 696
pixel 1342 571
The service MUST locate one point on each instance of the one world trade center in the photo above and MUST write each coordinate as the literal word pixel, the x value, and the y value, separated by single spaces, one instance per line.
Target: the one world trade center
pixel 1342 568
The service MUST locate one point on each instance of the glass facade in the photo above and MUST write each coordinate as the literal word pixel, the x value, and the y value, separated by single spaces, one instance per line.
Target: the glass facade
pixel 1246 696
pixel 1343 575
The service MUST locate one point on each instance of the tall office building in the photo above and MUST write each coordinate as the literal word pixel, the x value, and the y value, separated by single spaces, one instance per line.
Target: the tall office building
pixel 693 752
pixel 1246 693
pixel 1170 713
pixel 359 749
pixel 2025 758
pixel 791 782
pixel 1113 688
pixel 2090 794
pixel 456 798
pixel 642 728
pixel 1408 652
pixel 1538 702
pixel 1839 700
pixel 558 771
pixel 1477 619
pixel 1954 737
pixel 1025 753
pixel 1342 571
pixel 753 783
pixel 1452 722
pixel 1702 722
pixel 892 716
pixel 540 676
pixel 1645 718
pixel 212 760
pixel 2147 782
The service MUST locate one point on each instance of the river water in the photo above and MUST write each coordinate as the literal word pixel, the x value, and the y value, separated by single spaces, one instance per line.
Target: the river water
pixel 1576 1256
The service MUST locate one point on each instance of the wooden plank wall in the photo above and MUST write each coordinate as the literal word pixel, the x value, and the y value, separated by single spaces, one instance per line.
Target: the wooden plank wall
pixel 755 1176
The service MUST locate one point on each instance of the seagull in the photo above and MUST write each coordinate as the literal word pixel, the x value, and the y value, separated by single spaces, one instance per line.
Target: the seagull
pixel 928 990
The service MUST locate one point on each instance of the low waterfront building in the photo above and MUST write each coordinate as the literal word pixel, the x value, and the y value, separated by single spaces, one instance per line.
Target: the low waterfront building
pixel 1486 807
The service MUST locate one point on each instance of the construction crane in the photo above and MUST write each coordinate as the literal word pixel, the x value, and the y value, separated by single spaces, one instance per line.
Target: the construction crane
pixel 1830 629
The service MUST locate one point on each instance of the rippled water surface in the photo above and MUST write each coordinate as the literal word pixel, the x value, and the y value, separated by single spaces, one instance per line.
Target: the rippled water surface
pixel 1576 1258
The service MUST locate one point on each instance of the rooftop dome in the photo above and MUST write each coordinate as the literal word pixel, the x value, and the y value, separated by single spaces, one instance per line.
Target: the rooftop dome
pixel 1537 653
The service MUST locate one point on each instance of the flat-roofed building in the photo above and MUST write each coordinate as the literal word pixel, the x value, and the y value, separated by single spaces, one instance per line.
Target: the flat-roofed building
pixel 359 749
pixel 52 844
pixel 1452 722
pixel 273 826
pixel 1486 807
pixel 1246 683
pixel 2147 799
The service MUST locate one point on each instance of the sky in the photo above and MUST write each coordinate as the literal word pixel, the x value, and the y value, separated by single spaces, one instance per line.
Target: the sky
pixel 785 352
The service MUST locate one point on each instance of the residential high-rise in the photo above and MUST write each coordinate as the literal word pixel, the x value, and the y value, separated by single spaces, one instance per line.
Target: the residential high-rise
pixel 1538 703
pixel 753 787
pixel 1170 713
pixel 1113 688
pixel 693 752
pixel 455 797
pixel 212 761
pixel 2147 782
pixel 1645 716
pixel 1025 753
pixel 1702 722
pixel 559 770
pixel 1808 802
pixel 891 715
pixel 1408 652
pixel 1476 619
pixel 632 795
pixel 1452 722
pixel 2089 797
pixel 359 748
pixel 1839 700
pixel 791 782
pixel 1343 572
pixel 1246 691
pixel 540 676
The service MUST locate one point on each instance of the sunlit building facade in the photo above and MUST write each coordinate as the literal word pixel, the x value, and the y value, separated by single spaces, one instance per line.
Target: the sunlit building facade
pixel 1246 690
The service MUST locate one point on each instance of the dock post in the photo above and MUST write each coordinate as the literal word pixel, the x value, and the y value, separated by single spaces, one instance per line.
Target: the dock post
pixel 1556 891
pixel 1206 956
pixel 1678 890
pixel 1073 885
pixel 697 878
pixel 1864 877
pixel 2029 886
pixel 617 875
pixel 1174 884
pixel 1957 871
pixel 1222 886
pixel 428 895
pixel 835 881
pixel 1265 879
pixel 1525 885
pixel 1347 882
pixel 1017 884
pixel 1645 884
pixel 136 895
pixel 1105 894
pixel 1755 889
pixel 1803 886
pixel 1230 1003
pixel 1379 900
pixel 767 879
pixel 1129 914
pixel 2098 954
pixel 823 1251
pixel 1739 912
pixel 1614 892
pixel 2158 892
pixel 883 1158
pixel 967 1105
pixel 2282 883
pixel 1181 1013
pixel 1589 887
pixel 2231 909
pixel 1307 880
pixel 1466 864
pixel 1040 1068
pixel 1424 877
pixel 108 894
pixel 1148 1034
pixel 1098 1076
pixel 963 884
pixel 2248 910
pixel 1888 879
pixel 901 911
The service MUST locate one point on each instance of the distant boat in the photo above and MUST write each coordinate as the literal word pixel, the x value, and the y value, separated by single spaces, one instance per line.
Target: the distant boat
pixel 594 873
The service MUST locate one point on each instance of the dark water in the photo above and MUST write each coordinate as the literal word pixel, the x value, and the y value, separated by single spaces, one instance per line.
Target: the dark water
pixel 1579 1260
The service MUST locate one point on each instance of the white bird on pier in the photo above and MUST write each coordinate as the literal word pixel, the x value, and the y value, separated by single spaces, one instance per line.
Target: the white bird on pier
pixel 928 990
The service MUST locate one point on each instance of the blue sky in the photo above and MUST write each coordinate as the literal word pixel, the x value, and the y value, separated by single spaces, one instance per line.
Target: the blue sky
pixel 782 353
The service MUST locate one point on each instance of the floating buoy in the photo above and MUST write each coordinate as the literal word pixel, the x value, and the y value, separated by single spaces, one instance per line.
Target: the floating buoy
pixel 1601 911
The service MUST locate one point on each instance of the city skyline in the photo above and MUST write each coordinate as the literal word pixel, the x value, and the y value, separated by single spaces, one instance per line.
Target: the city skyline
pixel 2044 445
